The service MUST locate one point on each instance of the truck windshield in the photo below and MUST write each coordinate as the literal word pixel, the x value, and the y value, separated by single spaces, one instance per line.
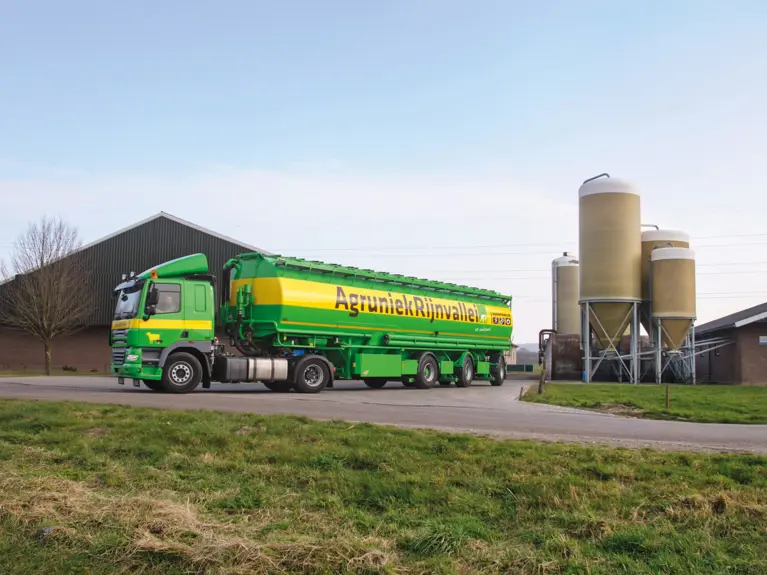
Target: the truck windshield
pixel 127 301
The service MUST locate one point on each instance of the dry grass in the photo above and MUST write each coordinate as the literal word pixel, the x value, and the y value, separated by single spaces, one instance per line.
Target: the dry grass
pixel 72 511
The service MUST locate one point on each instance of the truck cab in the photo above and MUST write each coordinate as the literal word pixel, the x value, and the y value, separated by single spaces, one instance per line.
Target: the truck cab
pixel 163 329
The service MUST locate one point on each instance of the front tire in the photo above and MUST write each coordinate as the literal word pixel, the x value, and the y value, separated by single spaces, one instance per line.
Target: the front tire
pixel 182 373
pixel 311 375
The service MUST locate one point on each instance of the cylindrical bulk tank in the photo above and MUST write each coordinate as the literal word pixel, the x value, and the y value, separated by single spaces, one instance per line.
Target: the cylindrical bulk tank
pixel 566 313
pixel 672 284
pixel 610 247
pixel 650 240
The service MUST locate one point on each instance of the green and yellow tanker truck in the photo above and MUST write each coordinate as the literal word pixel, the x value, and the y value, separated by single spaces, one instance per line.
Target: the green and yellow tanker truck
pixel 300 325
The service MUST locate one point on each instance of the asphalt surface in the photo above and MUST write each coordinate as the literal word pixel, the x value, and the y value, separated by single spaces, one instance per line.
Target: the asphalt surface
pixel 480 409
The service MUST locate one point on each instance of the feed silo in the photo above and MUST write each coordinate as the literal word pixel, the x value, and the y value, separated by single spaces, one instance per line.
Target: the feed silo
pixel 566 312
pixel 610 248
pixel 672 284
pixel 650 240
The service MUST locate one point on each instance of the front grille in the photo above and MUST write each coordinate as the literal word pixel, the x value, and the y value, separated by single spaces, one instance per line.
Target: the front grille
pixel 119 334
pixel 118 355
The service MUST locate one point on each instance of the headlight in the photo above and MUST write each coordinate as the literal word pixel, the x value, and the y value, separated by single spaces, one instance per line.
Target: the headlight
pixel 132 357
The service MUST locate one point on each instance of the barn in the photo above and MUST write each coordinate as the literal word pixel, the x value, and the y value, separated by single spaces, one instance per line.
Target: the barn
pixel 157 239
pixel 737 348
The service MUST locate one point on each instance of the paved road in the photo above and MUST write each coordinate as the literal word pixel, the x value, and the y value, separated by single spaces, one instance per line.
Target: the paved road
pixel 479 409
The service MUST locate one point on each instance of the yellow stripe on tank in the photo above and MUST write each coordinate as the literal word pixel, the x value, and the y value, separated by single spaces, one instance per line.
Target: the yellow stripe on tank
pixel 356 300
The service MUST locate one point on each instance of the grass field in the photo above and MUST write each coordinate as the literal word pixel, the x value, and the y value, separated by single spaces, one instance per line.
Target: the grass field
pixel 701 403
pixel 123 490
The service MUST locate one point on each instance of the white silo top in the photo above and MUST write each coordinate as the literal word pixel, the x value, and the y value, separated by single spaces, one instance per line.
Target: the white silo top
pixel 606 186
pixel 565 261
pixel 672 254
pixel 665 236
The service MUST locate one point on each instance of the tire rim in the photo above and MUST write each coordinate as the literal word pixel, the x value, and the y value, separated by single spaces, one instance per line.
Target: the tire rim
pixel 502 373
pixel 469 372
pixel 313 376
pixel 428 373
pixel 181 373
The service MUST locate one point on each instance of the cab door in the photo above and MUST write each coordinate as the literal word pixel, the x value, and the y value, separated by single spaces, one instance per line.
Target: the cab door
pixel 167 323
pixel 199 311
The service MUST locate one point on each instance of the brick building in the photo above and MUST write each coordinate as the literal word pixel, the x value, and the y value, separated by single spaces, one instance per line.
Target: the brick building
pixel 740 354
pixel 138 247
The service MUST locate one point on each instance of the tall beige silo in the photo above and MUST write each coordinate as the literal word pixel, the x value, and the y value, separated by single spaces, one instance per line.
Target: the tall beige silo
pixel 672 274
pixel 651 239
pixel 610 247
pixel 566 313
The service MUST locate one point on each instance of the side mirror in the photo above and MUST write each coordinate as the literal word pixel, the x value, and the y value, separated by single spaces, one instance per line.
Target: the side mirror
pixel 153 297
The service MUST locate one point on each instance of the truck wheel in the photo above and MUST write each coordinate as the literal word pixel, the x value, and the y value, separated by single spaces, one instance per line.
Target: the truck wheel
pixel 375 382
pixel 466 375
pixel 428 372
pixel 499 373
pixel 311 375
pixel 153 385
pixel 182 373
pixel 278 386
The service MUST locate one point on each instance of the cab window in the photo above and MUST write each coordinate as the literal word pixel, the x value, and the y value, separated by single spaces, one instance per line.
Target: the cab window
pixel 170 298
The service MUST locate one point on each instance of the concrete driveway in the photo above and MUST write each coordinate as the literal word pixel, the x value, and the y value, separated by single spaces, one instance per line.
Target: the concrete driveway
pixel 481 409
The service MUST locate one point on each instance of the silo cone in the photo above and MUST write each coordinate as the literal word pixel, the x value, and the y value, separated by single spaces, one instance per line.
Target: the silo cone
pixel 673 293
pixel 610 255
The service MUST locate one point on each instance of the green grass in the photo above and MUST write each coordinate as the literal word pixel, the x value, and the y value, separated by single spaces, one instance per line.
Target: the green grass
pixel 108 489
pixel 701 403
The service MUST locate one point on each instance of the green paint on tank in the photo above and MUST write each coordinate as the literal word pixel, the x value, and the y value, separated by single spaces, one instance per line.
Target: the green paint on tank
pixel 278 304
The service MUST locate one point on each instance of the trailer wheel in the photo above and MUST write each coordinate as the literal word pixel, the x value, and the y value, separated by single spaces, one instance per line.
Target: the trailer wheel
pixel 428 372
pixel 311 375
pixel 278 386
pixel 182 373
pixel 375 382
pixel 466 375
pixel 499 373
pixel 153 385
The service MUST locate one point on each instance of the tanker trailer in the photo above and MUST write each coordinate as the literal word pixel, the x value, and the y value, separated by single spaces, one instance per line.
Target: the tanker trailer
pixel 300 325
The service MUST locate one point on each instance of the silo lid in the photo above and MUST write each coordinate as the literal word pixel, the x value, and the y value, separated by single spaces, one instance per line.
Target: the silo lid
pixel 606 186
pixel 565 261
pixel 672 254
pixel 665 236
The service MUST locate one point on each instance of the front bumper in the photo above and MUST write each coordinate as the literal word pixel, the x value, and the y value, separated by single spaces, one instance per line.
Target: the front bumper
pixel 127 363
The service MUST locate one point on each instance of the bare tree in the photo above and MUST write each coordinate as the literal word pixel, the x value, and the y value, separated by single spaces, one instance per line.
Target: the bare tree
pixel 43 290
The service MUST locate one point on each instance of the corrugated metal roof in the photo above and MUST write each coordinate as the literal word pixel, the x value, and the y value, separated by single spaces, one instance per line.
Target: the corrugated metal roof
pixel 729 321
pixel 178 220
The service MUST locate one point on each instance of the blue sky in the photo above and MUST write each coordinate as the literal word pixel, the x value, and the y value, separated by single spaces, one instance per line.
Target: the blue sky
pixel 316 115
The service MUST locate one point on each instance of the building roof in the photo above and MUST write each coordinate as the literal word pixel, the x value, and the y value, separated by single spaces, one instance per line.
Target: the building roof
pixel 734 320
pixel 157 216
pixel 178 220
